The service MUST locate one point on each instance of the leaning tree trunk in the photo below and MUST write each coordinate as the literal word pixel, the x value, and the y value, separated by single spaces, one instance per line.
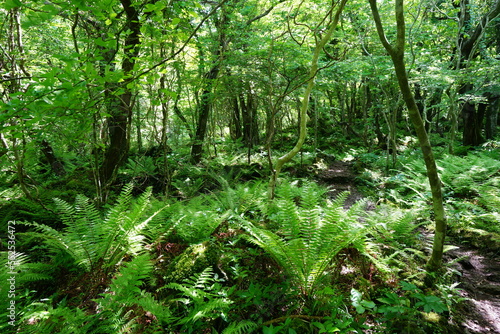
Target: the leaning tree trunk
pixel 397 55
pixel 320 44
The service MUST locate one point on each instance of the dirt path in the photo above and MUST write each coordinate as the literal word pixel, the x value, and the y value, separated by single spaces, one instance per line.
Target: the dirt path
pixel 480 284
pixel 339 176
pixel 479 269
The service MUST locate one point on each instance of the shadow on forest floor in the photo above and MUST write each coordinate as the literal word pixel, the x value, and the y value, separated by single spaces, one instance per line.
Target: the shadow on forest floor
pixel 479 268
pixel 480 284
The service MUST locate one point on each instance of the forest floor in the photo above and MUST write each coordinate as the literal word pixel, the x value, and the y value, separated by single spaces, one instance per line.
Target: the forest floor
pixel 478 268
pixel 480 285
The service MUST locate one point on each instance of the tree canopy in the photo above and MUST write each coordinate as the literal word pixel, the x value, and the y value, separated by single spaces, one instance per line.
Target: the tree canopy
pixel 200 129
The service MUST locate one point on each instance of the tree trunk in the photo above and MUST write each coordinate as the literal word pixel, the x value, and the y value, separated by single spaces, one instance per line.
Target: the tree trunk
pixel 55 163
pixel 320 44
pixel 203 114
pixel 397 55
pixel 235 126
pixel 492 117
pixel 468 41
pixel 118 123
pixel 473 120
pixel 205 103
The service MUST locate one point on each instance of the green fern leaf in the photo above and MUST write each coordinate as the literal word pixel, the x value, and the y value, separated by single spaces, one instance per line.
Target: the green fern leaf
pixel 242 327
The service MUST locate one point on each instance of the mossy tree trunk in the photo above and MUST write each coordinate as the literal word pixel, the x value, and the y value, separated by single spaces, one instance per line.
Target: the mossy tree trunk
pixel 320 44
pixel 120 120
pixel 397 55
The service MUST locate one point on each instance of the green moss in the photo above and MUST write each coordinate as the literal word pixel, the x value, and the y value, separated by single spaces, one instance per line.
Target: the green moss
pixel 193 260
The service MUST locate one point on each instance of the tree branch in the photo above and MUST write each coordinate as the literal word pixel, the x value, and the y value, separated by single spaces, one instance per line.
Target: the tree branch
pixel 380 28
pixel 183 46
pixel 258 17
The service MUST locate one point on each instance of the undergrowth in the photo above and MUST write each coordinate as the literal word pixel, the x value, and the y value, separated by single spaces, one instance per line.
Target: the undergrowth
pixel 229 261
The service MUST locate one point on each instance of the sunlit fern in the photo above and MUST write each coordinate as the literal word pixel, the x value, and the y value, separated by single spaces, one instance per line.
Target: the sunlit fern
pixel 125 292
pixel 199 298
pixel 310 234
pixel 16 271
pixel 118 308
pixel 94 240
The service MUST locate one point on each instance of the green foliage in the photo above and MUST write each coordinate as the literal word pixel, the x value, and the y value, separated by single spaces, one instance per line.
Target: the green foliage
pixel 118 311
pixel 140 166
pixel 242 327
pixel 472 184
pixel 61 80
pixel 200 300
pixel 309 234
pixel 194 259
pixel 125 293
pixel 400 311
pixel 195 220
pixel 44 318
pixel 16 275
pixel 395 242
pixel 470 188
pixel 96 241
pixel 190 180
pixel 244 199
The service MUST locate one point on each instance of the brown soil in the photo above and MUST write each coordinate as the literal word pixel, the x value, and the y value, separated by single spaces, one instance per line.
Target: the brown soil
pixel 480 284
pixel 339 177
pixel 479 269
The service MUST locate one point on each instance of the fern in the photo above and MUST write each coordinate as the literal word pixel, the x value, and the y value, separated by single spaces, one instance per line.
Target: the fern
pixel 125 291
pixel 94 241
pixel 309 235
pixel 195 220
pixel 202 297
pixel 23 273
pixel 242 327
pixel 63 319
pixel 394 238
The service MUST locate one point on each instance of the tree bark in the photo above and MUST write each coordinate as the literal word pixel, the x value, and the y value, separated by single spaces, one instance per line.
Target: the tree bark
pixel 235 119
pixel 397 55
pixel 468 42
pixel 320 44
pixel 119 121
pixel 492 116
pixel 55 163
pixel 204 113
pixel 206 99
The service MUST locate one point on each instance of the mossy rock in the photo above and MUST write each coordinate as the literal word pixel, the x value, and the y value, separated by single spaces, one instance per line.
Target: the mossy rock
pixel 193 260
pixel 480 238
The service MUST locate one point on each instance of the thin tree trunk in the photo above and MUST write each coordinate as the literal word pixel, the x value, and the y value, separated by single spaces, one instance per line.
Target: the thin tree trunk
pixel 397 55
pixel 320 44
pixel 206 99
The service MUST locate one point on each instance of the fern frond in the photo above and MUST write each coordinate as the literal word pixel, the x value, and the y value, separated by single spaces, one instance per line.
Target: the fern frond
pixel 312 234
pixel 130 277
pixel 116 214
pixel 201 296
pixel 93 241
pixel 242 327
